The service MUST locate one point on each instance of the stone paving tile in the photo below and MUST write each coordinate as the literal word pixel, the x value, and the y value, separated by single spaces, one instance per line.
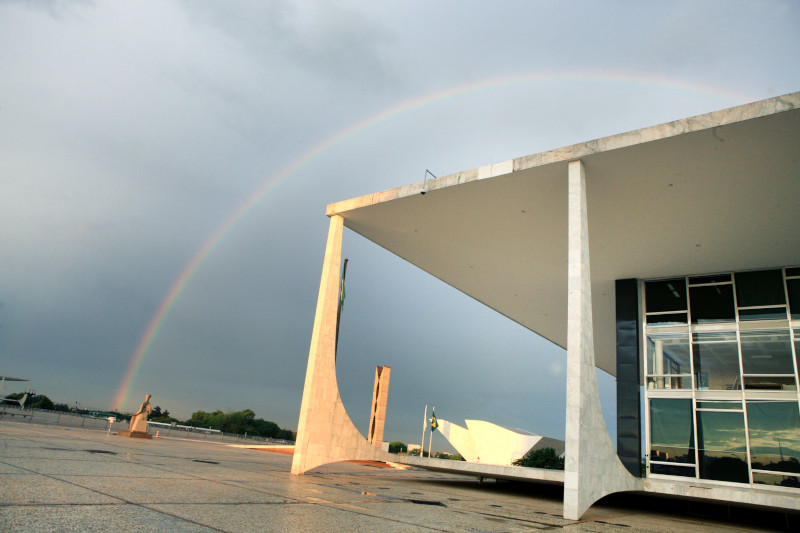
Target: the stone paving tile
pixel 80 518
pixel 31 488
pixel 57 480
pixel 93 467
pixel 286 518
pixel 148 491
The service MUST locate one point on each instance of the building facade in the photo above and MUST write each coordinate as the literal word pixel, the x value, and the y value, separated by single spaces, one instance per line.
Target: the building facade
pixel 719 356
pixel 666 256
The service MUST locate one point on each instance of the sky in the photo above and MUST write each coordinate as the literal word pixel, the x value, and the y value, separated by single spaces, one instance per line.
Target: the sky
pixel 166 167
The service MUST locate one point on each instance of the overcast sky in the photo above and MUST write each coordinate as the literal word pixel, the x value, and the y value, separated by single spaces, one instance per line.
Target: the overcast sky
pixel 131 131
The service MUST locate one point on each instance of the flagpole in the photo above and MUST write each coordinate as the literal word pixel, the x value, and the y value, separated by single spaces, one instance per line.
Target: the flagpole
pixel 424 424
pixel 430 444
pixel 339 310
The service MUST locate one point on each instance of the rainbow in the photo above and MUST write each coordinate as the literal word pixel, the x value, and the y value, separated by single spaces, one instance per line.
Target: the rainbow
pixel 157 321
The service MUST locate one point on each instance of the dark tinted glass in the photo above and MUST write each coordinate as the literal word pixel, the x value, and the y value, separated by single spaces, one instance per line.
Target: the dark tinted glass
pixel 774 435
pixel 720 405
pixel 723 466
pixel 766 352
pixel 666 295
pixel 697 280
pixel 776 480
pixel 671 423
pixel 764 287
pixel 716 361
pixel 795 271
pixel 712 303
pixel 794 296
pixel 721 446
pixel 764 313
pixel 670 470
pixel 667 319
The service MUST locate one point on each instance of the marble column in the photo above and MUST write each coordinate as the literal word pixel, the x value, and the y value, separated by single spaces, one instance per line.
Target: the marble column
pixel 325 433
pixel 592 468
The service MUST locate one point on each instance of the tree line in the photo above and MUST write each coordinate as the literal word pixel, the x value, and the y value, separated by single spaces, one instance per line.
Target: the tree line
pixel 238 422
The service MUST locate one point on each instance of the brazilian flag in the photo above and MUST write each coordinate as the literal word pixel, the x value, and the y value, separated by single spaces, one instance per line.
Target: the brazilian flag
pixel 434 422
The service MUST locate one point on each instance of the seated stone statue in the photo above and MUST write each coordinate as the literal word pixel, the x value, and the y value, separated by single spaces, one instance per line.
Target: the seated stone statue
pixel 138 427
pixel 139 418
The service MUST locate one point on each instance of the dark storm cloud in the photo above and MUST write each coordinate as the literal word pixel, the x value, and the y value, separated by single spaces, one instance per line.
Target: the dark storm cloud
pixel 130 132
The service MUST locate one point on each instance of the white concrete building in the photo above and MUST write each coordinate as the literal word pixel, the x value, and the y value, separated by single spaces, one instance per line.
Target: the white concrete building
pixel 487 443
pixel 667 256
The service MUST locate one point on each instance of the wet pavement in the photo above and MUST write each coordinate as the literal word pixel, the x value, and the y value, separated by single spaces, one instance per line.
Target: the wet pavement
pixel 56 478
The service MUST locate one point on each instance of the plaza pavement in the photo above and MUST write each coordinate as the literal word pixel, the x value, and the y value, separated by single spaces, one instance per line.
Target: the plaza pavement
pixel 55 478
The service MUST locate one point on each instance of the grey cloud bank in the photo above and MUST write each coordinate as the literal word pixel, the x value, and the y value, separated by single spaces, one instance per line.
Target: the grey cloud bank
pixel 129 132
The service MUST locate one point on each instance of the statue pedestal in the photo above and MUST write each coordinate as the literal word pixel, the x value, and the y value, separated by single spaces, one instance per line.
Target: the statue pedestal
pixel 134 434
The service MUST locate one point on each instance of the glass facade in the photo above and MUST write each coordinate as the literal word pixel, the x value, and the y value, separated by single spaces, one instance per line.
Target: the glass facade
pixel 721 358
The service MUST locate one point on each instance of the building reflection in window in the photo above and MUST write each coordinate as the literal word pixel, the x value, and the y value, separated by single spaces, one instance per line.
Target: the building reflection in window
pixel 774 429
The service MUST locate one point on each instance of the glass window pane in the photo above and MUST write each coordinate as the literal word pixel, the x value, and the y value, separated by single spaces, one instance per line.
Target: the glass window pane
pixel 716 361
pixel 774 429
pixel 776 480
pixel 767 352
pixel 794 296
pixel 667 319
pixel 666 295
pixel 721 446
pixel 716 278
pixel 764 287
pixel 720 405
pixel 671 427
pixel 672 470
pixel 668 356
pixel 769 383
pixel 764 313
pixel 712 303
pixel 794 271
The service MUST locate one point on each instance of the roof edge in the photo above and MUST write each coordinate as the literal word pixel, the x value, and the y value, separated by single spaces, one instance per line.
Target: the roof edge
pixel 761 108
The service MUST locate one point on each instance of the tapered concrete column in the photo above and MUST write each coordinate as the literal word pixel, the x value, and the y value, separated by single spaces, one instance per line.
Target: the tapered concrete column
pixel 380 398
pixel 592 468
pixel 325 433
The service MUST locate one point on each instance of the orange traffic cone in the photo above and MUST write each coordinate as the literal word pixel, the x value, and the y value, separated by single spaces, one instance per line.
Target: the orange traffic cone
pixel 157 432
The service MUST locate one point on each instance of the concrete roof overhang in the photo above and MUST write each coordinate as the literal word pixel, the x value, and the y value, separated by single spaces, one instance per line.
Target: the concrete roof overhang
pixel 713 193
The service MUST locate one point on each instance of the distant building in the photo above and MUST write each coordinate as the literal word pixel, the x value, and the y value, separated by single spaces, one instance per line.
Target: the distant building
pixel 484 442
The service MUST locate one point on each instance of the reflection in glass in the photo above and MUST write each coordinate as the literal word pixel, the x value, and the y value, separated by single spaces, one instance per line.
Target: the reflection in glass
pixel 668 356
pixel 762 287
pixel 774 429
pixel 672 470
pixel 721 446
pixel 767 352
pixel 712 303
pixel 671 432
pixel 716 361
pixel 776 480
pixel 665 295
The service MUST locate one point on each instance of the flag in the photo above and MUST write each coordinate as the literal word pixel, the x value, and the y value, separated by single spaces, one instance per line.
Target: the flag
pixel 434 422
pixel 341 293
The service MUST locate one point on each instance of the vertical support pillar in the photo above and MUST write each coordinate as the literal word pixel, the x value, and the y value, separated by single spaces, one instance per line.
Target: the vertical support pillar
pixel 380 398
pixel 592 468
pixel 629 424
pixel 325 433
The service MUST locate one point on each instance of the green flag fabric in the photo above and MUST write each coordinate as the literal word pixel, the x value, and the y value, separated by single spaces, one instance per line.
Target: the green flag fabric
pixel 434 422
